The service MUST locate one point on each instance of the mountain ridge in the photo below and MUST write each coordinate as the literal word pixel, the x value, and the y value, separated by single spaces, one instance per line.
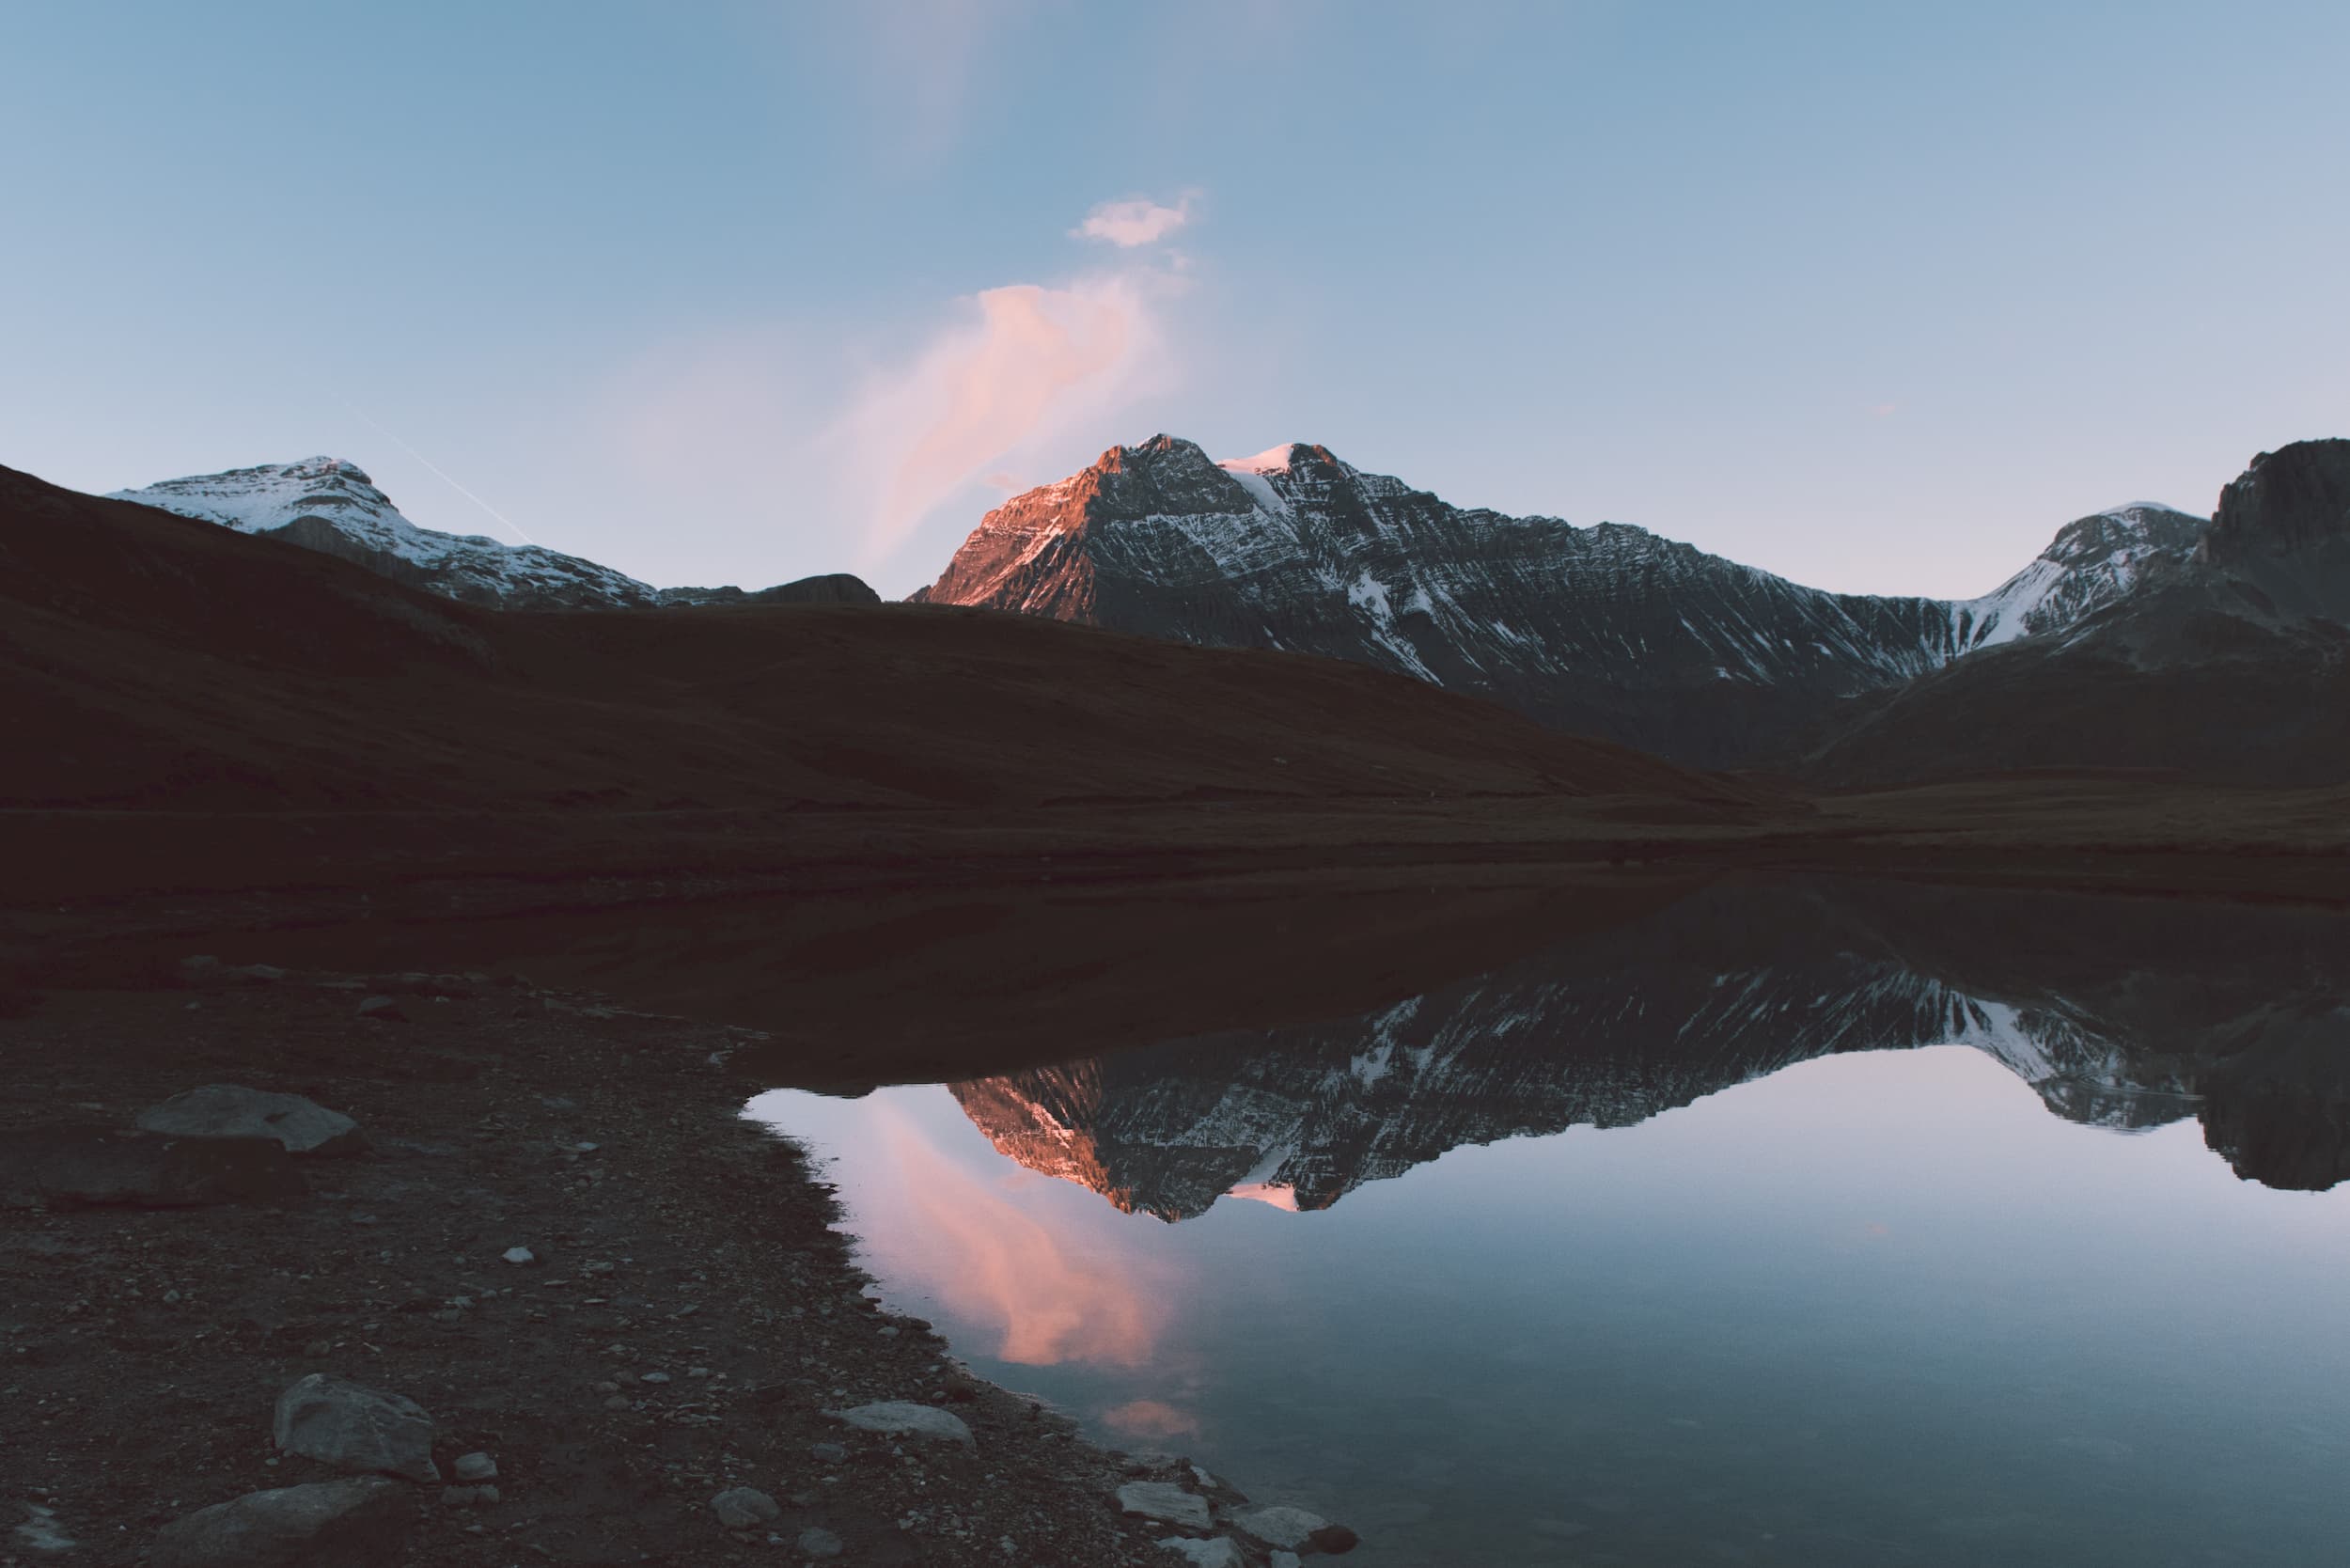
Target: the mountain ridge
pixel 2231 664
pixel 1609 629
pixel 330 505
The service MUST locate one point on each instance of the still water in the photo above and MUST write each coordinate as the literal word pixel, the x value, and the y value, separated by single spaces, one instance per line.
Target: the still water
pixel 1843 1257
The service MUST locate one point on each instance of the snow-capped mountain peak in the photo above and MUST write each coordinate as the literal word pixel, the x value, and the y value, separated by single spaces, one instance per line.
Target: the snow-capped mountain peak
pixel 1607 629
pixel 2091 563
pixel 331 505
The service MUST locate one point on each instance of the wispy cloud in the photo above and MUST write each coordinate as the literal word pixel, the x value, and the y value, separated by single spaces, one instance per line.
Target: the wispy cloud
pixel 945 1229
pixel 1138 221
pixel 1018 366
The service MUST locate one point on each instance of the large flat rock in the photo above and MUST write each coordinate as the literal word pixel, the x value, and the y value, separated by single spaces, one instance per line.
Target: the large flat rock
pixel 231 1110
pixel 71 1167
pixel 359 1522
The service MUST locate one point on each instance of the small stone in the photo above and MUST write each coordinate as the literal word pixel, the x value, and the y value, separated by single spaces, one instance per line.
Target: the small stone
pixel 899 1417
pixel 1335 1539
pixel 828 1453
pixel 382 1010
pixel 607 1387
pixel 360 1521
pixel 744 1508
pixel 457 1496
pixel 475 1467
pixel 653 1377
pixel 354 1427
pixel 519 1256
pixel 618 1402
pixel 814 1542
pixel 889 1333
pixel 1221 1552
pixel 487 1495
pixel 1165 1501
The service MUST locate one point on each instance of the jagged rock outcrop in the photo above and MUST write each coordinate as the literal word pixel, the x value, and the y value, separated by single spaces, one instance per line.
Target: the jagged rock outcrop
pixel 1608 629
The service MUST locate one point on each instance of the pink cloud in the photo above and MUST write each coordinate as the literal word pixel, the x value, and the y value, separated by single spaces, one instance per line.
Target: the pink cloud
pixel 1140 221
pixel 1024 363
pixel 1150 1418
pixel 977 1250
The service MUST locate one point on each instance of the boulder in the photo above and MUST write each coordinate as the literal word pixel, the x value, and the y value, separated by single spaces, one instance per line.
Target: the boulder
pixel 67 1167
pixel 354 1427
pixel 229 1111
pixel 744 1507
pixel 1279 1525
pixel 1220 1552
pixel 899 1417
pixel 358 1522
pixel 1165 1501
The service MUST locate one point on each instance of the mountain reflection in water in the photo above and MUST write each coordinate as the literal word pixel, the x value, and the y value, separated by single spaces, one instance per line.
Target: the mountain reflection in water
pixel 1831 1285
pixel 2119 1014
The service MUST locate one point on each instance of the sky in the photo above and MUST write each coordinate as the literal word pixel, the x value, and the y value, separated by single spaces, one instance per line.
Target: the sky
pixel 1874 296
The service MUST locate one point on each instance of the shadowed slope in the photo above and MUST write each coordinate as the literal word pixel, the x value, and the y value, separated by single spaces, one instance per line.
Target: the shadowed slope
pixel 149 662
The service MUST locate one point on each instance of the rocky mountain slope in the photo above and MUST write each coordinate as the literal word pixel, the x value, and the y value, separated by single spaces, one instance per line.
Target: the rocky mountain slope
pixel 1608 629
pixel 2164 1021
pixel 328 504
pixel 2231 663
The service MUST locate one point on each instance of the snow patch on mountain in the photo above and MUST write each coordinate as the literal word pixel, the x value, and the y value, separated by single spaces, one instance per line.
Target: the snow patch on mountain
pixel 331 505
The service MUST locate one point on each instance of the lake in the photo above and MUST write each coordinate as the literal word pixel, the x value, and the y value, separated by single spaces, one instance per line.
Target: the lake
pixel 1785 1228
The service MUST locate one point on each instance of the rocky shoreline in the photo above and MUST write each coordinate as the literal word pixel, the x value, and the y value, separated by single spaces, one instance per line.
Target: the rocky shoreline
pixel 620 1313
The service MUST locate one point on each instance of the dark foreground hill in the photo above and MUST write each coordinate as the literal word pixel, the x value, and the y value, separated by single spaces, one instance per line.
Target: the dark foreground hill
pixel 149 663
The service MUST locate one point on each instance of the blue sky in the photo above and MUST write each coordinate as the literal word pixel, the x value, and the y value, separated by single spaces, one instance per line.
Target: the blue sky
pixel 1876 296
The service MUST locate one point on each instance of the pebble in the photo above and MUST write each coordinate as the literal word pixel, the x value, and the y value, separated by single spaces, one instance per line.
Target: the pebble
pixel 383 1009
pixel 828 1453
pixel 519 1256
pixel 475 1467
pixel 653 1377
pixel 815 1542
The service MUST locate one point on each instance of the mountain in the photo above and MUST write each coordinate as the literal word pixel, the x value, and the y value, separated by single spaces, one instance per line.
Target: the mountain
pixel 328 504
pixel 2168 1013
pixel 1608 629
pixel 153 667
pixel 2231 663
